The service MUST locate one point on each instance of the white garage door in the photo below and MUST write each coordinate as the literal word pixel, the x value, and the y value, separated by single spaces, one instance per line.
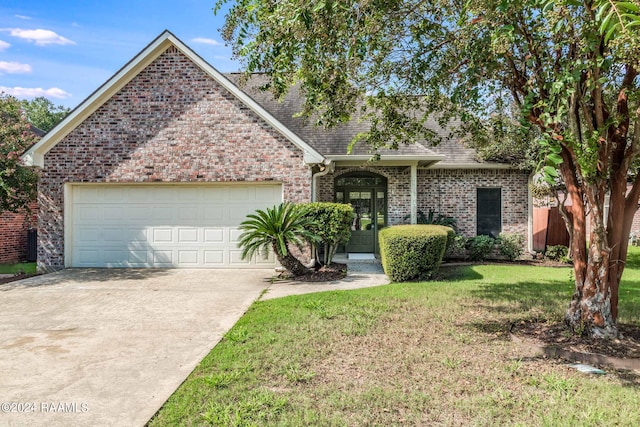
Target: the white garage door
pixel 194 226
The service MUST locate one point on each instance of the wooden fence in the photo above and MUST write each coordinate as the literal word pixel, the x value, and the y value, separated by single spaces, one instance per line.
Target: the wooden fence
pixel 549 228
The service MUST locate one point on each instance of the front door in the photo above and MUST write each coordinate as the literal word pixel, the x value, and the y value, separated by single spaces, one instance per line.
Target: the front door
pixel 363 230
pixel 367 193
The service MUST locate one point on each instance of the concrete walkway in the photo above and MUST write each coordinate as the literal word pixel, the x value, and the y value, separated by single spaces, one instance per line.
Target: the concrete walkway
pixel 359 275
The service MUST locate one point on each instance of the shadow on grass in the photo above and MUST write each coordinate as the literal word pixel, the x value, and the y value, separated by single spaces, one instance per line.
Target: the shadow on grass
pixel 455 273
pixel 550 297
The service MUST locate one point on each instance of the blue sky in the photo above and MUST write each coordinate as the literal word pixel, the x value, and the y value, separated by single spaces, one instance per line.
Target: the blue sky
pixel 64 50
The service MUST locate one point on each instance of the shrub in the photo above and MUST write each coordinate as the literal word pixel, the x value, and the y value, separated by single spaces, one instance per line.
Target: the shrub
pixel 411 252
pixel 275 229
pixel 331 223
pixel 480 247
pixel 511 245
pixel 457 247
pixel 557 253
pixel 434 219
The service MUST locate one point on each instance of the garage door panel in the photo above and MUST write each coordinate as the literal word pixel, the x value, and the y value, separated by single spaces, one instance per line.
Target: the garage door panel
pixel 87 214
pixel 163 258
pixel 268 194
pixel 113 214
pixel 188 235
pixel 113 194
pixel 214 215
pixel 162 235
pixel 164 225
pixel 136 234
pixel 188 258
pixel 87 257
pixel 137 194
pixel 234 235
pixel 88 194
pixel 236 258
pixel 113 235
pixel 188 214
pixel 213 235
pixel 88 235
pixel 162 213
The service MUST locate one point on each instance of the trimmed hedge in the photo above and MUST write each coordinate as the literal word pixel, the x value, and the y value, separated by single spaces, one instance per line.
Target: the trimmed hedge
pixel 413 252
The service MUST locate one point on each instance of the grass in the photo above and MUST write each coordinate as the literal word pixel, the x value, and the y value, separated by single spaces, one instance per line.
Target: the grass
pixel 17 268
pixel 432 353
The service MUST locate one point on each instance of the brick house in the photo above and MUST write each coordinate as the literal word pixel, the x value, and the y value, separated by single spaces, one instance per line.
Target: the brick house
pixel 14 228
pixel 158 167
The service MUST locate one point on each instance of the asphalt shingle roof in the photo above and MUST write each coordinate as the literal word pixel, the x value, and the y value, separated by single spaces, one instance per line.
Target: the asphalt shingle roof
pixel 334 141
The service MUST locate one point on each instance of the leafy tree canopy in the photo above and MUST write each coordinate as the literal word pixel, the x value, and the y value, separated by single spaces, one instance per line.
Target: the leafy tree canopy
pixel 42 113
pixel 17 182
pixel 568 67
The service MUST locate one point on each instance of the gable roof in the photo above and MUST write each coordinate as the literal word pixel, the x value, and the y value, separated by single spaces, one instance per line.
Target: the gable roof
pixel 333 142
pixel 35 154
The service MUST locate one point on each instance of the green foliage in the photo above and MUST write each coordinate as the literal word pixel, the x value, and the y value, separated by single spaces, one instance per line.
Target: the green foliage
pixel 480 247
pixel 432 218
pixel 557 253
pixel 275 229
pixel 42 113
pixel 331 222
pixel 558 76
pixel 17 182
pixel 457 247
pixel 412 252
pixel 511 245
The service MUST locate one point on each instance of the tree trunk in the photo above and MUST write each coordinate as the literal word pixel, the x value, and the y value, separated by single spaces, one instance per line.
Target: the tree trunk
pixel 292 264
pixel 594 307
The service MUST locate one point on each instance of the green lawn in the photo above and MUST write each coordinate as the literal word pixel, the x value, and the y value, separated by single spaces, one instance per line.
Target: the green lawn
pixel 433 353
pixel 20 267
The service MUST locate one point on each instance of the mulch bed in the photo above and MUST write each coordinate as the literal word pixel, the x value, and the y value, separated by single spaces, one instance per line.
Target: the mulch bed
pixel 555 340
pixel 326 273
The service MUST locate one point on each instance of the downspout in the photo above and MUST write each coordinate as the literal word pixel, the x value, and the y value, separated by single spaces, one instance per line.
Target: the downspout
pixel 328 166
pixel 325 168
pixel 414 193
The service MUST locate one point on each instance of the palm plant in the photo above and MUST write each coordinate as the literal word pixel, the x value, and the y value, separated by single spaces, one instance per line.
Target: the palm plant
pixel 276 229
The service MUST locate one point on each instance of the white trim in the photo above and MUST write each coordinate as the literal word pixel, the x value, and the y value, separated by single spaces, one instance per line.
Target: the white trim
pixel 414 193
pixel 67 218
pixel 35 154
pixel 387 157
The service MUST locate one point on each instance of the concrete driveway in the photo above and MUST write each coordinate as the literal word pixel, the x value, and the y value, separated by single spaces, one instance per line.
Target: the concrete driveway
pixel 107 347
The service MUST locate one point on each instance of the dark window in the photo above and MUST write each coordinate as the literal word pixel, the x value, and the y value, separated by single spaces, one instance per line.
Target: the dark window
pixel 489 212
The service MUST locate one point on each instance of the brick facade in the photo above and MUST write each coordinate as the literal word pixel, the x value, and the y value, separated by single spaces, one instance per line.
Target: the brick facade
pixel 449 192
pixel 13 234
pixel 453 192
pixel 171 123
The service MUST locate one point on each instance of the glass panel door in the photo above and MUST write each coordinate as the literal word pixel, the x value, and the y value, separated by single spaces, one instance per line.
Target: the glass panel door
pixel 363 228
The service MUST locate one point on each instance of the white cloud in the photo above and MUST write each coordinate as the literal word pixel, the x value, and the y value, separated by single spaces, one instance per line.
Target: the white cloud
pixel 34 92
pixel 25 17
pixel 40 37
pixel 204 40
pixel 14 67
pixel 3 45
